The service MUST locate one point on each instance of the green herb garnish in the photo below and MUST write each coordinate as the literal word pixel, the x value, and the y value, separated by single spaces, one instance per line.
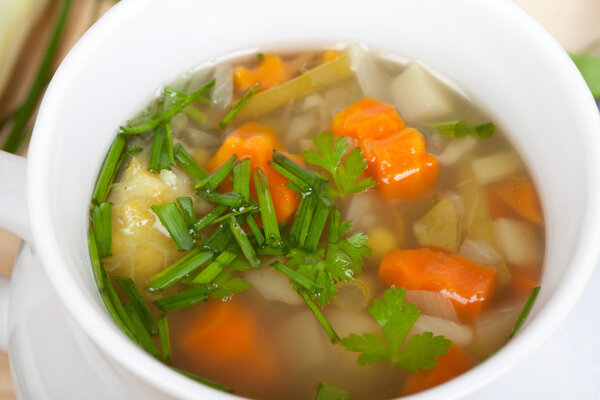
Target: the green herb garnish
pixel 238 106
pixel 120 312
pixel 333 336
pixel 179 269
pixel 101 219
pixel 205 381
pixel 137 301
pixel 211 182
pixel 165 339
pixel 224 285
pixel 186 205
pixel 325 391
pixel 396 318
pixel 458 129
pixel 184 299
pixel 215 268
pixel 188 164
pixel 167 114
pixel 345 171
pixel 267 210
pixel 244 242
pixel 525 312
pixel 144 338
pixel 174 221
pixel 161 153
pixel 109 170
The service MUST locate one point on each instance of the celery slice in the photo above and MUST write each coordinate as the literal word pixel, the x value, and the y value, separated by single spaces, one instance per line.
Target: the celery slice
pixel 311 81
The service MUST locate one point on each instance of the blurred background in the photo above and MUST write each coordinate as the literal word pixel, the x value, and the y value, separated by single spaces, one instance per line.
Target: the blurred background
pixel 35 35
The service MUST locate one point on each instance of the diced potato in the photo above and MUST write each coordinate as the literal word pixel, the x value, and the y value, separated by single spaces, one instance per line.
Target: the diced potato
pixel 496 167
pixel 440 227
pixel 520 242
pixel 381 240
pixel 305 341
pixel 460 334
pixel 272 285
pixel 419 96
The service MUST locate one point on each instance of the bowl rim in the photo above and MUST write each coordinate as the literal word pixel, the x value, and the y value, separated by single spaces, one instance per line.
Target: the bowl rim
pixel 127 354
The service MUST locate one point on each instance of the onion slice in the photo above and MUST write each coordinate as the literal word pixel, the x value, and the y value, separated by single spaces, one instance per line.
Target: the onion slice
pixel 432 303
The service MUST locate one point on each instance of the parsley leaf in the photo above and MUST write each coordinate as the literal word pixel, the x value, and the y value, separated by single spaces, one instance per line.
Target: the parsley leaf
pixel 344 171
pixel 396 319
pixel 325 391
pixel 224 285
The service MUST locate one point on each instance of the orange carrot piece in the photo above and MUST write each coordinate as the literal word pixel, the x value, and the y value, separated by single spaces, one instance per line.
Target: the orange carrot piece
pixel 496 206
pixel 524 279
pixel 271 71
pixel 519 194
pixel 401 165
pixel 449 366
pixel 257 142
pixel 223 333
pixel 469 285
pixel 367 118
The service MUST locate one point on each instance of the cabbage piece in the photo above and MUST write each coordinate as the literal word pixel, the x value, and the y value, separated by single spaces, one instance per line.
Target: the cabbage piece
pixel 440 227
pixel 432 303
pixel 419 96
pixel 372 79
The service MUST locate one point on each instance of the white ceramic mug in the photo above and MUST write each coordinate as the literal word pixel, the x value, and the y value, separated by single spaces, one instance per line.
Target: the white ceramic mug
pixel 497 53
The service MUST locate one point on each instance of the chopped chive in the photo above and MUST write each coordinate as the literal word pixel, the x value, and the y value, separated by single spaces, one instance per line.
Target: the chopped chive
pixel 169 143
pixel 212 181
pixel 101 218
pixel 137 301
pixel 141 333
pixel 188 164
pixel 525 311
pixel 219 239
pixel 115 316
pixel 24 112
pixel 258 236
pixel 297 183
pixel 118 305
pixel 458 129
pixel 174 109
pixel 259 56
pixel 165 339
pixel 209 218
pixel 184 299
pixel 274 251
pixel 205 381
pixel 229 200
pixel 304 217
pixel 484 131
pixel 244 243
pixel 173 220
pixel 333 336
pixel 96 267
pixel 196 115
pixel 297 278
pixel 186 205
pixel 179 269
pixel 159 158
pixel 334 225
pixel 215 268
pixel 240 211
pixel 241 179
pixel 317 225
pixel 109 170
pixel 267 210
pixel 293 169
pixel 238 106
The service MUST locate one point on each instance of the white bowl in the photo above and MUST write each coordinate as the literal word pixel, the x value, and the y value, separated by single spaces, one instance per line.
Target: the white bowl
pixel 497 53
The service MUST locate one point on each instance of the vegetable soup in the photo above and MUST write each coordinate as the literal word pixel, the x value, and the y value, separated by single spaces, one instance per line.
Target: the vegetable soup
pixel 329 224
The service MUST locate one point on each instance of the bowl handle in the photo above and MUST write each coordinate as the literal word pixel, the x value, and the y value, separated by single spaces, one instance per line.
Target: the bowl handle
pixel 13 217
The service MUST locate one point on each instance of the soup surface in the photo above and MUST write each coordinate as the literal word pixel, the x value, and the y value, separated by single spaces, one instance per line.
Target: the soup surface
pixel 332 223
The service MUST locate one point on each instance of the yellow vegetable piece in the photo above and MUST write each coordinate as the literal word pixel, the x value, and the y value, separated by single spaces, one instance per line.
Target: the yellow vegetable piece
pixel 440 227
pixel 311 81
pixel 478 224
pixel 381 240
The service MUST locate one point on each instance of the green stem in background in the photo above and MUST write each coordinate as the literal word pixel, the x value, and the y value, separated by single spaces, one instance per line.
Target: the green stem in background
pixel 184 299
pixel 297 278
pixel 172 219
pixel 144 338
pixel 165 339
pixel 178 270
pixel 23 114
pixel 188 164
pixel 525 311
pixel 109 170
pixel 137 301
pixel 238 106
pixel 244 242
pixel 101 219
